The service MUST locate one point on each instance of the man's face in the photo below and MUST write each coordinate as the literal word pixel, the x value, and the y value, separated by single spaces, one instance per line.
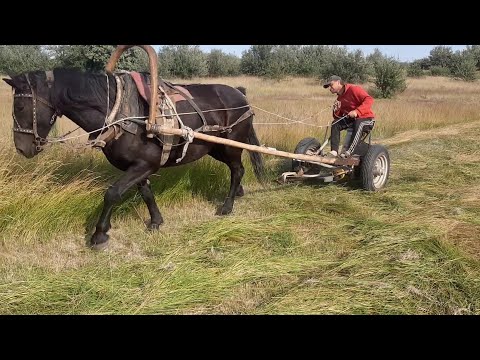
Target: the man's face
pixel 335 86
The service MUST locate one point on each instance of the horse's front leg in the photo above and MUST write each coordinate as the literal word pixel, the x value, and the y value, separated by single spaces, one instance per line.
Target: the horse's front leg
pixel 135 174
pixel 155 217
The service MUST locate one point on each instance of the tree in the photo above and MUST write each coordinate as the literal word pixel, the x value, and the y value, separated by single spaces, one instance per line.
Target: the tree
pixel 256 59
pixel 284 61
pixel 463 66
pixel 183 61
pixel 95 57
pixel 376 56
pixel 389 78
pixel 474 50
pixel 441 56
pixel 415 69
pixel 373 59
pixel 311 59
pixel 351 67
pixel 17 59
pixel 221 64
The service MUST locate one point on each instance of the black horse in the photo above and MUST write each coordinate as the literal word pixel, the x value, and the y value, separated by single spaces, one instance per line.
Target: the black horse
pixel 83 97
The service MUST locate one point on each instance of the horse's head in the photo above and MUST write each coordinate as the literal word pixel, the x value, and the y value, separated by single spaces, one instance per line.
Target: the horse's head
pixel 33 112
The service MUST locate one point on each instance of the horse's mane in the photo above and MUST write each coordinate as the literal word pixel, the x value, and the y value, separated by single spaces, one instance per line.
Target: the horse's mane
pixel 75 86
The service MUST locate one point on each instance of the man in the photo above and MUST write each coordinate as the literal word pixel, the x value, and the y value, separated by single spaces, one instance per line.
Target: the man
pixel 352 109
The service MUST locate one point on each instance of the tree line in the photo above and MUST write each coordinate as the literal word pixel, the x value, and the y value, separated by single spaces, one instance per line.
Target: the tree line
pixel 268 61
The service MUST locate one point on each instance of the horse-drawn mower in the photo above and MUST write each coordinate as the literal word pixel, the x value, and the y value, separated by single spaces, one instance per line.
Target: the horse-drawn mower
pixel 370 165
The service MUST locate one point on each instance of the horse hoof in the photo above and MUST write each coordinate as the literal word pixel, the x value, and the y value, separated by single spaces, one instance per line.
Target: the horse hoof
pixel 99 241
pixel 224 211
pixel 99 247
pixel 153 226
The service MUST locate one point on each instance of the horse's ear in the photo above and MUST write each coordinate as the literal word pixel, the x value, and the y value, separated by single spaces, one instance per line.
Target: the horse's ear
pixel 9 82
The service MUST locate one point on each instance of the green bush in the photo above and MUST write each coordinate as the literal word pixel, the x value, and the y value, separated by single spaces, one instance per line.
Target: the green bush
pixel 221 64
pixel 414 69
pixel 285 61
pixel 351 67
pixel 133 59
pixel 372 59
pixel 255 60
pixel 69 56
pixel 311 59
pixel 17 59
pixel 463 66
pixel 441 56
pixel 439 71
pixel 389 78
pixel 182 61
pixel 271 61
pixel 474 50
pixel 95 57
pixel 275 70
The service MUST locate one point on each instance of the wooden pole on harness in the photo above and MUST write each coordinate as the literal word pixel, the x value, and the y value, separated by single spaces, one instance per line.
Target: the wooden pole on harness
pixel 152 56
pixel 260 149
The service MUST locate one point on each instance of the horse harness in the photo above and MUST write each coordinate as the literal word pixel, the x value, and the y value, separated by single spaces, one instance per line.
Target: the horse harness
pixel 39 141
pixel 168 95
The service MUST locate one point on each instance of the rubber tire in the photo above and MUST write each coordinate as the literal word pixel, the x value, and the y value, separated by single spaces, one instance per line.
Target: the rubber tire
pixel 368 166
pixel 303 146
pixel 361 150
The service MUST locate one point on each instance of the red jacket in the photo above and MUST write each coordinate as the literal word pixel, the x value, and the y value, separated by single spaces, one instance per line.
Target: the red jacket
pixel 354 98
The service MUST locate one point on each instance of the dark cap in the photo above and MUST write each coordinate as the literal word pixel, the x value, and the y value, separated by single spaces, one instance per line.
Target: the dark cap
pixel 330 79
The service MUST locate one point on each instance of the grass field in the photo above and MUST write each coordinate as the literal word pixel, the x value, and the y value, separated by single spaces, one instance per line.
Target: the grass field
pixel 300 248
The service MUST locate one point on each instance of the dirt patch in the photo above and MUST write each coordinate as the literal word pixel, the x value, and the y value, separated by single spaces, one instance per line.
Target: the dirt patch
pixel 250 296
pixel 470 196
pixel 467 158
pixel 57 255
pixel 467 237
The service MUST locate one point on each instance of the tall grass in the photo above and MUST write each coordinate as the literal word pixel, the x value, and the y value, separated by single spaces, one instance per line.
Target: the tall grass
pixel 427 103
pixel 286 249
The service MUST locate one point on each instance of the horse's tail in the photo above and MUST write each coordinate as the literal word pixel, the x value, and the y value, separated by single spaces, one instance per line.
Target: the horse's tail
pixel 242 90
pixel 255 157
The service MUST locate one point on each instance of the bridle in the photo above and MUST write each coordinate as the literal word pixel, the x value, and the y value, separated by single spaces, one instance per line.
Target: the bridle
pixel 39 141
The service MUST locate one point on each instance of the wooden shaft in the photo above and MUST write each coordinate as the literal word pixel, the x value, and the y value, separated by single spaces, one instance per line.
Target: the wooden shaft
pixel 260 149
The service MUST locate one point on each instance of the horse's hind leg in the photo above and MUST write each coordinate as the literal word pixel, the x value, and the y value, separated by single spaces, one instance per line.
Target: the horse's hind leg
pixel 233 158
pixel 113 196
pixel 155 217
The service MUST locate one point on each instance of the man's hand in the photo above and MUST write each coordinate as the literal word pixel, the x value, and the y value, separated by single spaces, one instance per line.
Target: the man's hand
pixel 353 114
pixel 336 105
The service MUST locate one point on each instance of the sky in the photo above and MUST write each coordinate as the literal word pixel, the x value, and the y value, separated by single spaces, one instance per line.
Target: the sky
pixel 400 52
